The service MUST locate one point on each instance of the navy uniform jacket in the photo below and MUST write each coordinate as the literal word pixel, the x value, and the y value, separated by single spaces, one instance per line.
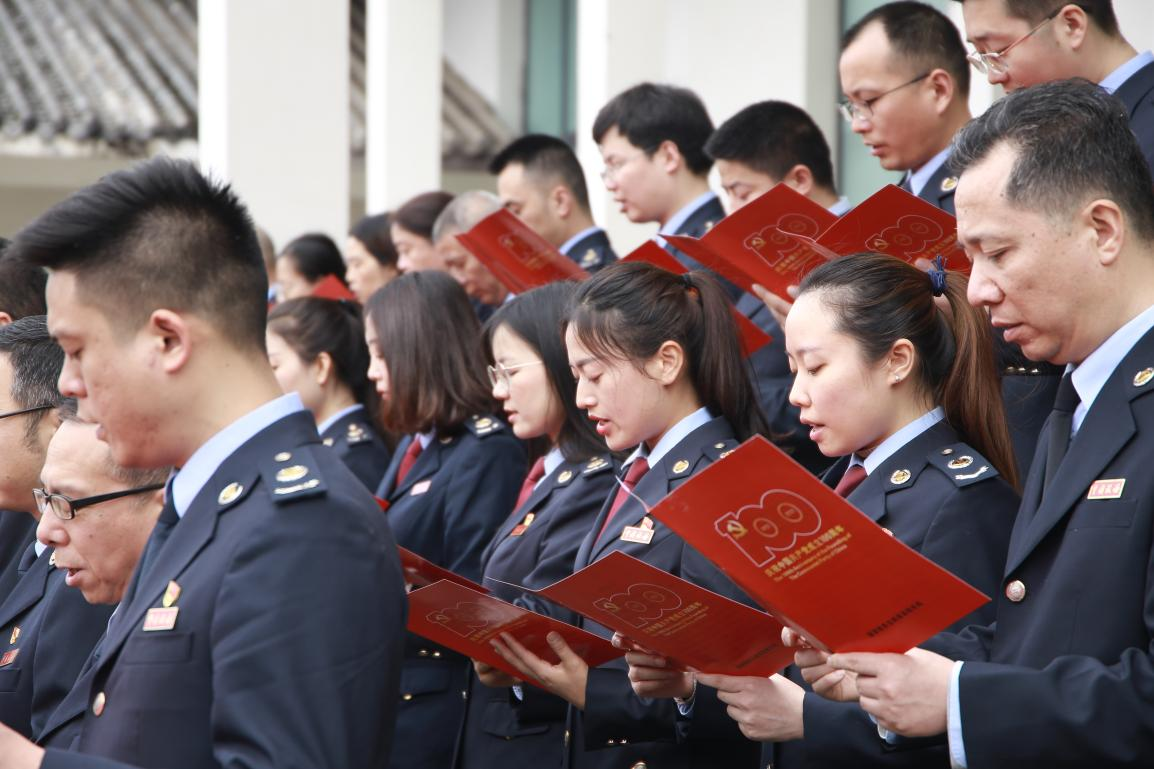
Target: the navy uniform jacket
pixel 593 251
pixel 952 507
pixel 361 447
pixel 447 509
pixel 1065 673
pixel 17 532
pixel 46 632
pixel 274 658
pixel 618 728
pixel 939 188
pixel 1137 93
pixel 560 512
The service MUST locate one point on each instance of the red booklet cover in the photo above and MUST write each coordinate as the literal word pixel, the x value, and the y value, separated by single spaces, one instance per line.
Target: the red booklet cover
pixel 759 242
pixel 465 620
pixel 420 572
pixel 330 287
pixel 693 627
pixel 516 255
pixel 752 338
pixel 810 558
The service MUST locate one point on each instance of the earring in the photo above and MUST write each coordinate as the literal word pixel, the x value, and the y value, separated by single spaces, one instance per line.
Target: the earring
pixel 897 378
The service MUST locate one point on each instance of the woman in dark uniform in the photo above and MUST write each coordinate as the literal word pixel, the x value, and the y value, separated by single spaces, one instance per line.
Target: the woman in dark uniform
pixel 317 349
pixel 536 546
pixel 454 478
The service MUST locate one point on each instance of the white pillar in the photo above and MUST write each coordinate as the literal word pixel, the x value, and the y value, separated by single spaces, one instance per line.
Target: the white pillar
pixel 731 52
pixel 402 100
pixel 274 109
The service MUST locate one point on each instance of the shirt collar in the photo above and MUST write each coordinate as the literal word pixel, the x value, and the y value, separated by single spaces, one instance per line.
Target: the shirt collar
pixel 332 420
pixel 1090 375
pixel 892 444
pixel 841 207
pixel 1118 77
pixel 40 548
pixel 919 177
pixel 673 436
pixel 211 455
pixel 580 236
pixel 678 219
pixel 426 438
pixel 553 460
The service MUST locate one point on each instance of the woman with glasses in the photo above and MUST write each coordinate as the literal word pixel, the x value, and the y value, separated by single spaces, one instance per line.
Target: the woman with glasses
pixel 317 349
pixel 452 481
pixel 537 545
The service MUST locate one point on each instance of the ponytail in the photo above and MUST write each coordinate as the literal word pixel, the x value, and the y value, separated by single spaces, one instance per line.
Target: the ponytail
pixel 628 310
pixel 878 299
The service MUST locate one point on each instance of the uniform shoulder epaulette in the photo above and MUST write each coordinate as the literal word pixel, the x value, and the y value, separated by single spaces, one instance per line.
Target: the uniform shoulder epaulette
pixel 484 426
pixel 293 474
pixel 962 464
pixel 357 433
pixel 720 449
pixel 597 464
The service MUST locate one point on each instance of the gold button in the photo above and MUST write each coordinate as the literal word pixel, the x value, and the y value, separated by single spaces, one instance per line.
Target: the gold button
pixel 947 452
pixel 98 704
pixel 422 652
pixel 611 742
pixel 436 655
pixel 719 445
pixel 283 456
pixel 640 765
pixel 406 697
pixel 1016 591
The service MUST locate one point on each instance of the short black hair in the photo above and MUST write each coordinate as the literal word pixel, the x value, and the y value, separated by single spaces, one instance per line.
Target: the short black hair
pixel 649 114
pixel 772 137
pixel 546 158
pixel 920 34
pixel 418 213
pixel 158 235
pixel 373 233
pixel 35 360
pixel 1036 11
pixel 21 286
pixel 1073 144
pixel 315 256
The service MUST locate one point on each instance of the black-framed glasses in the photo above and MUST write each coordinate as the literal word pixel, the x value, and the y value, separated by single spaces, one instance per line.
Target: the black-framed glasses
pixel 994 62
pixel 864 109
pixel 28 410
pixel 65 507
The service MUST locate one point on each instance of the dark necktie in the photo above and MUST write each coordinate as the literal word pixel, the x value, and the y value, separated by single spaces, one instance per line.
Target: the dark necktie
pixel 536 473
pixel 853 477
pixel 1061 423
pixel 633 475
pixel 160 534
pixel 408 460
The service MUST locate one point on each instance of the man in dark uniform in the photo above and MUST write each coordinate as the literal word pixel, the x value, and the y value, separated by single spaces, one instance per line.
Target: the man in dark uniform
pixel 21 294
pixel 1056 210
pixel 540 180
pixel 263 625
pixel 486 293
pixel 46 630
pixel 1024 42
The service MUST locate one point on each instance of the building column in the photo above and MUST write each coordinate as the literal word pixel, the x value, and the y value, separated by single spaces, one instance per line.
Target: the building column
pixel 403 64
pixel 274 110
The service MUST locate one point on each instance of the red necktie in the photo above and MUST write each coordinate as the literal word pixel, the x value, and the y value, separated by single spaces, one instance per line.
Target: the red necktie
pixel 636 470
pixel 407 461
pixel 851 480
pixel 536 473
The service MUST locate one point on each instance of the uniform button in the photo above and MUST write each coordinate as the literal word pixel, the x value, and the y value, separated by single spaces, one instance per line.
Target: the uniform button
pixel 422 652
pixel 406 697
pixel 1016 591
pixel 464 694
pixel 436 655
pixel 98 704
pixel 640 765
pixel 611 742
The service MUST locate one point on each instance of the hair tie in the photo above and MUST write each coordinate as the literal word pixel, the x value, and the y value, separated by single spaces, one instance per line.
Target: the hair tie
pixel 690 289
pixel 937 275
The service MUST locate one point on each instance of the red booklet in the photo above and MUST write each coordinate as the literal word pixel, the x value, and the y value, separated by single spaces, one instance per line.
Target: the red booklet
pixel 758 243
pixel 330 287
pixel 810 558
pixel 420 572
pixel 517 255
pixel 465 620
pixel 674 618
pixel 752 338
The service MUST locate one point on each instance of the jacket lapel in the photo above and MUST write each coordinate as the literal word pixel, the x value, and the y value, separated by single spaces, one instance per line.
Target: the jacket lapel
pixel 29 589
pixel 1136 87
pixel 428 462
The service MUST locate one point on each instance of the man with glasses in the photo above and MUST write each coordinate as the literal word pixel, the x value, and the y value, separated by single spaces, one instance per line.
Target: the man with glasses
pixel 96 515
pixel 906 81
pixel 46 629
pixel 1019 43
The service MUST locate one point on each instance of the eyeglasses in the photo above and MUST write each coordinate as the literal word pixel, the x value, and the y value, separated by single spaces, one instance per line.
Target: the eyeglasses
pixel 995 61
pixel 65 507
pixel 499 374
pixel 612 168
pixel 864 109
pixel 7 414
